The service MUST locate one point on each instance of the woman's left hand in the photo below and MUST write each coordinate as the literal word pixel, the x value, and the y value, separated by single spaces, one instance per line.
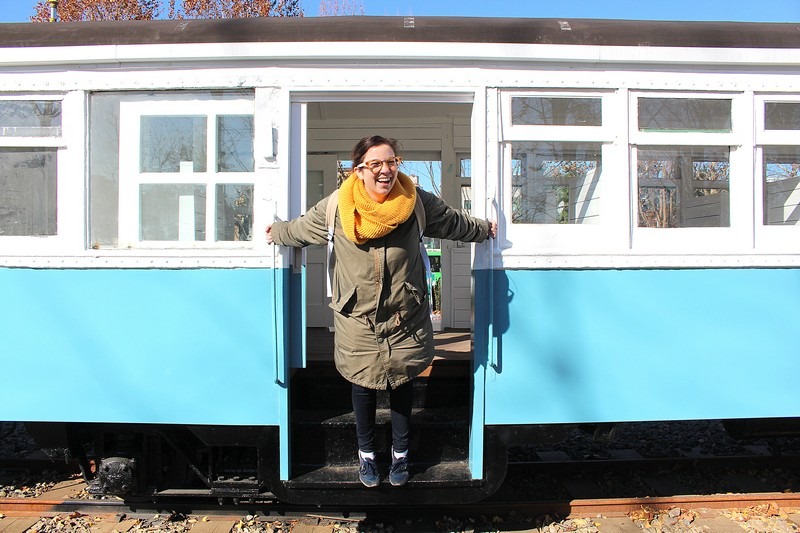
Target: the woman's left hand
pixel 492 229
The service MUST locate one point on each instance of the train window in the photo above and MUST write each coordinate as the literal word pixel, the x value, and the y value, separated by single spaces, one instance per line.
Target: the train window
pixel 465 180
pixel 556 111
pixel 683 186
pixel 782 116
pixel 781 174
pixel 235 143
pixel 778 156
pixel 684 114
pixel 555 196
pixel 172 169
pixel 27 192
pixel 30 118
pixel 30 132
pixel 555 182
pixel 168 144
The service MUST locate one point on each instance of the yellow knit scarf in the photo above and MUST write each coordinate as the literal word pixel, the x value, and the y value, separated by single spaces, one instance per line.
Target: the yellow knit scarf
pixel 363 218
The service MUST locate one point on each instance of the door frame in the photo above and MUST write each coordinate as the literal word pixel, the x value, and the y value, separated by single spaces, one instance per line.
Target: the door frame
pixel 298 148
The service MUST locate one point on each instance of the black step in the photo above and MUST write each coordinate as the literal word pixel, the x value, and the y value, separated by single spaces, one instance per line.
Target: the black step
pixel 328 437
pixel 441 475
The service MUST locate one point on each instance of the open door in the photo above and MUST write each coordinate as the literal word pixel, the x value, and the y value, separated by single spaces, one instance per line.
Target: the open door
pixel 432 128
pixel 320 182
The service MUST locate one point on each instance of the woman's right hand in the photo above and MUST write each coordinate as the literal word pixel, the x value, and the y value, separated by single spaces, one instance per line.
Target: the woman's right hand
pixel 269 235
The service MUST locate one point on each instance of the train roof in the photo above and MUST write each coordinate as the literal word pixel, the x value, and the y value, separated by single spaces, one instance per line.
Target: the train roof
pixel 405 30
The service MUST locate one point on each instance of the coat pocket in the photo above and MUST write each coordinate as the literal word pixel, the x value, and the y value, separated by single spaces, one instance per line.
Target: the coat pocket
pixel 413 297
pixel 344 302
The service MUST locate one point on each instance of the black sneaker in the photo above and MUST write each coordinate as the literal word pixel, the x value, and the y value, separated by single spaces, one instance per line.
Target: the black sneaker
pixel 368 472
pixel 398 472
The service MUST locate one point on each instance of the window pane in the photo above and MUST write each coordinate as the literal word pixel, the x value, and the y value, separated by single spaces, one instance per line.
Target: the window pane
pixel 172 212
pixel 465 167
pixel 683 187
pixel 538 111
pixel 782 185
pixel 27 191
pixel 466 198
pixel 169 144
pixel 104 169
pixel 235 212
pixel 34 118
pixel 235 143
pixel 684 114
pixel 555 183
pixel 782 116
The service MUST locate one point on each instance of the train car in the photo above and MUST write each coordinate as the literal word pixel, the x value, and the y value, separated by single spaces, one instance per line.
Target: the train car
pixel 645 178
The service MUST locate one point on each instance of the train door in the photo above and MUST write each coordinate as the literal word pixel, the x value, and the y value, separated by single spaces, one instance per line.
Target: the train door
pixel 435 129
pixel 320 182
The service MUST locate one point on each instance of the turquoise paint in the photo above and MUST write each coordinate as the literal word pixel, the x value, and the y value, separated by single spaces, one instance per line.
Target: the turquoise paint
pixel 615 345
pixel 140 346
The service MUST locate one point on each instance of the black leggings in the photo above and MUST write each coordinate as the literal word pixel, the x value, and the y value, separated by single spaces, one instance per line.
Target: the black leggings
pixel 364 405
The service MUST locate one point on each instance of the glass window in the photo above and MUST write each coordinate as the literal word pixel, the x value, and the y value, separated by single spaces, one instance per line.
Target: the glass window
pixel 782 116
pixel 235 212
pixel 555 182
pixel 185 158
pixel 555 111
pixel 27 191
pixel 782 185
pixel 683 186
pixel 173 144
pixel 684 114
pixel 235 143
pixel 30 118
pixel 172 212
pixel 465 176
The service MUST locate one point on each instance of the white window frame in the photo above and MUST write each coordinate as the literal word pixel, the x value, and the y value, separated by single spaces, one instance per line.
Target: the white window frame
pixel 130 178
pixel 70 179
pixel 772 238
pixel 736 238
pixel 610 233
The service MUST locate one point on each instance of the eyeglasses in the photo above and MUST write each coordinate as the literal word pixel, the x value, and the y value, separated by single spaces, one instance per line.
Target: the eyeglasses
pixel 375 165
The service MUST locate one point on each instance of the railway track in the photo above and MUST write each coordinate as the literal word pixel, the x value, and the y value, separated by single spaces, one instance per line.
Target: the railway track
pixel 576 503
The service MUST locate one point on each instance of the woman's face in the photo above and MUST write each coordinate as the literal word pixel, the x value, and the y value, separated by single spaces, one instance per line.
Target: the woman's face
pixel 380 182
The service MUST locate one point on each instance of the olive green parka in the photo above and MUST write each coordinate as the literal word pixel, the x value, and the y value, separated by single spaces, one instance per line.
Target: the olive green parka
pixel 383 331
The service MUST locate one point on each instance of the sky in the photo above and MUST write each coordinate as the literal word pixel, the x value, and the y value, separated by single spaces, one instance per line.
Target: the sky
pixel 730 10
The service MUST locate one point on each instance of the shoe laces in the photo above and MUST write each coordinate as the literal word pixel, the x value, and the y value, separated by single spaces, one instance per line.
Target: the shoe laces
pixel 367 466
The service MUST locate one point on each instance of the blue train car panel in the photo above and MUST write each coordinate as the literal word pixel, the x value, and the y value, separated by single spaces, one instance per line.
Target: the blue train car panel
pixel 635 345
pixel 140 346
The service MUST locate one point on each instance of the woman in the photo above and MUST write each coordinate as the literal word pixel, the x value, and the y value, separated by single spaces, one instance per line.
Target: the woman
pixel 384 336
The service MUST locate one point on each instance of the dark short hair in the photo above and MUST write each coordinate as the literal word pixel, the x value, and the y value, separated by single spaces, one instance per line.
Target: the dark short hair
pixel 366 143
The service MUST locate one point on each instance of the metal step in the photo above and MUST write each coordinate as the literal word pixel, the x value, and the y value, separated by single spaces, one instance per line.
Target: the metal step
pixel 442 475
pixel 328 437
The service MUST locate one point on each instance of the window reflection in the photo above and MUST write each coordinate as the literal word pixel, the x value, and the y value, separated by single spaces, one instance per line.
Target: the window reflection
pixel 555 182
pixel 782 116
pixel 560 111
pixel 782 185
pixel 27 191
pixel 169 143
pixel 30 118
pixel 684 114
pixel 172 212
pixel 681 187
pixel 235 143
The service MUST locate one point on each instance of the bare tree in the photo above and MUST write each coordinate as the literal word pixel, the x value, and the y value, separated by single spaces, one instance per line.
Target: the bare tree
pixel 338 8
pixel 77 10
pixel 217 9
